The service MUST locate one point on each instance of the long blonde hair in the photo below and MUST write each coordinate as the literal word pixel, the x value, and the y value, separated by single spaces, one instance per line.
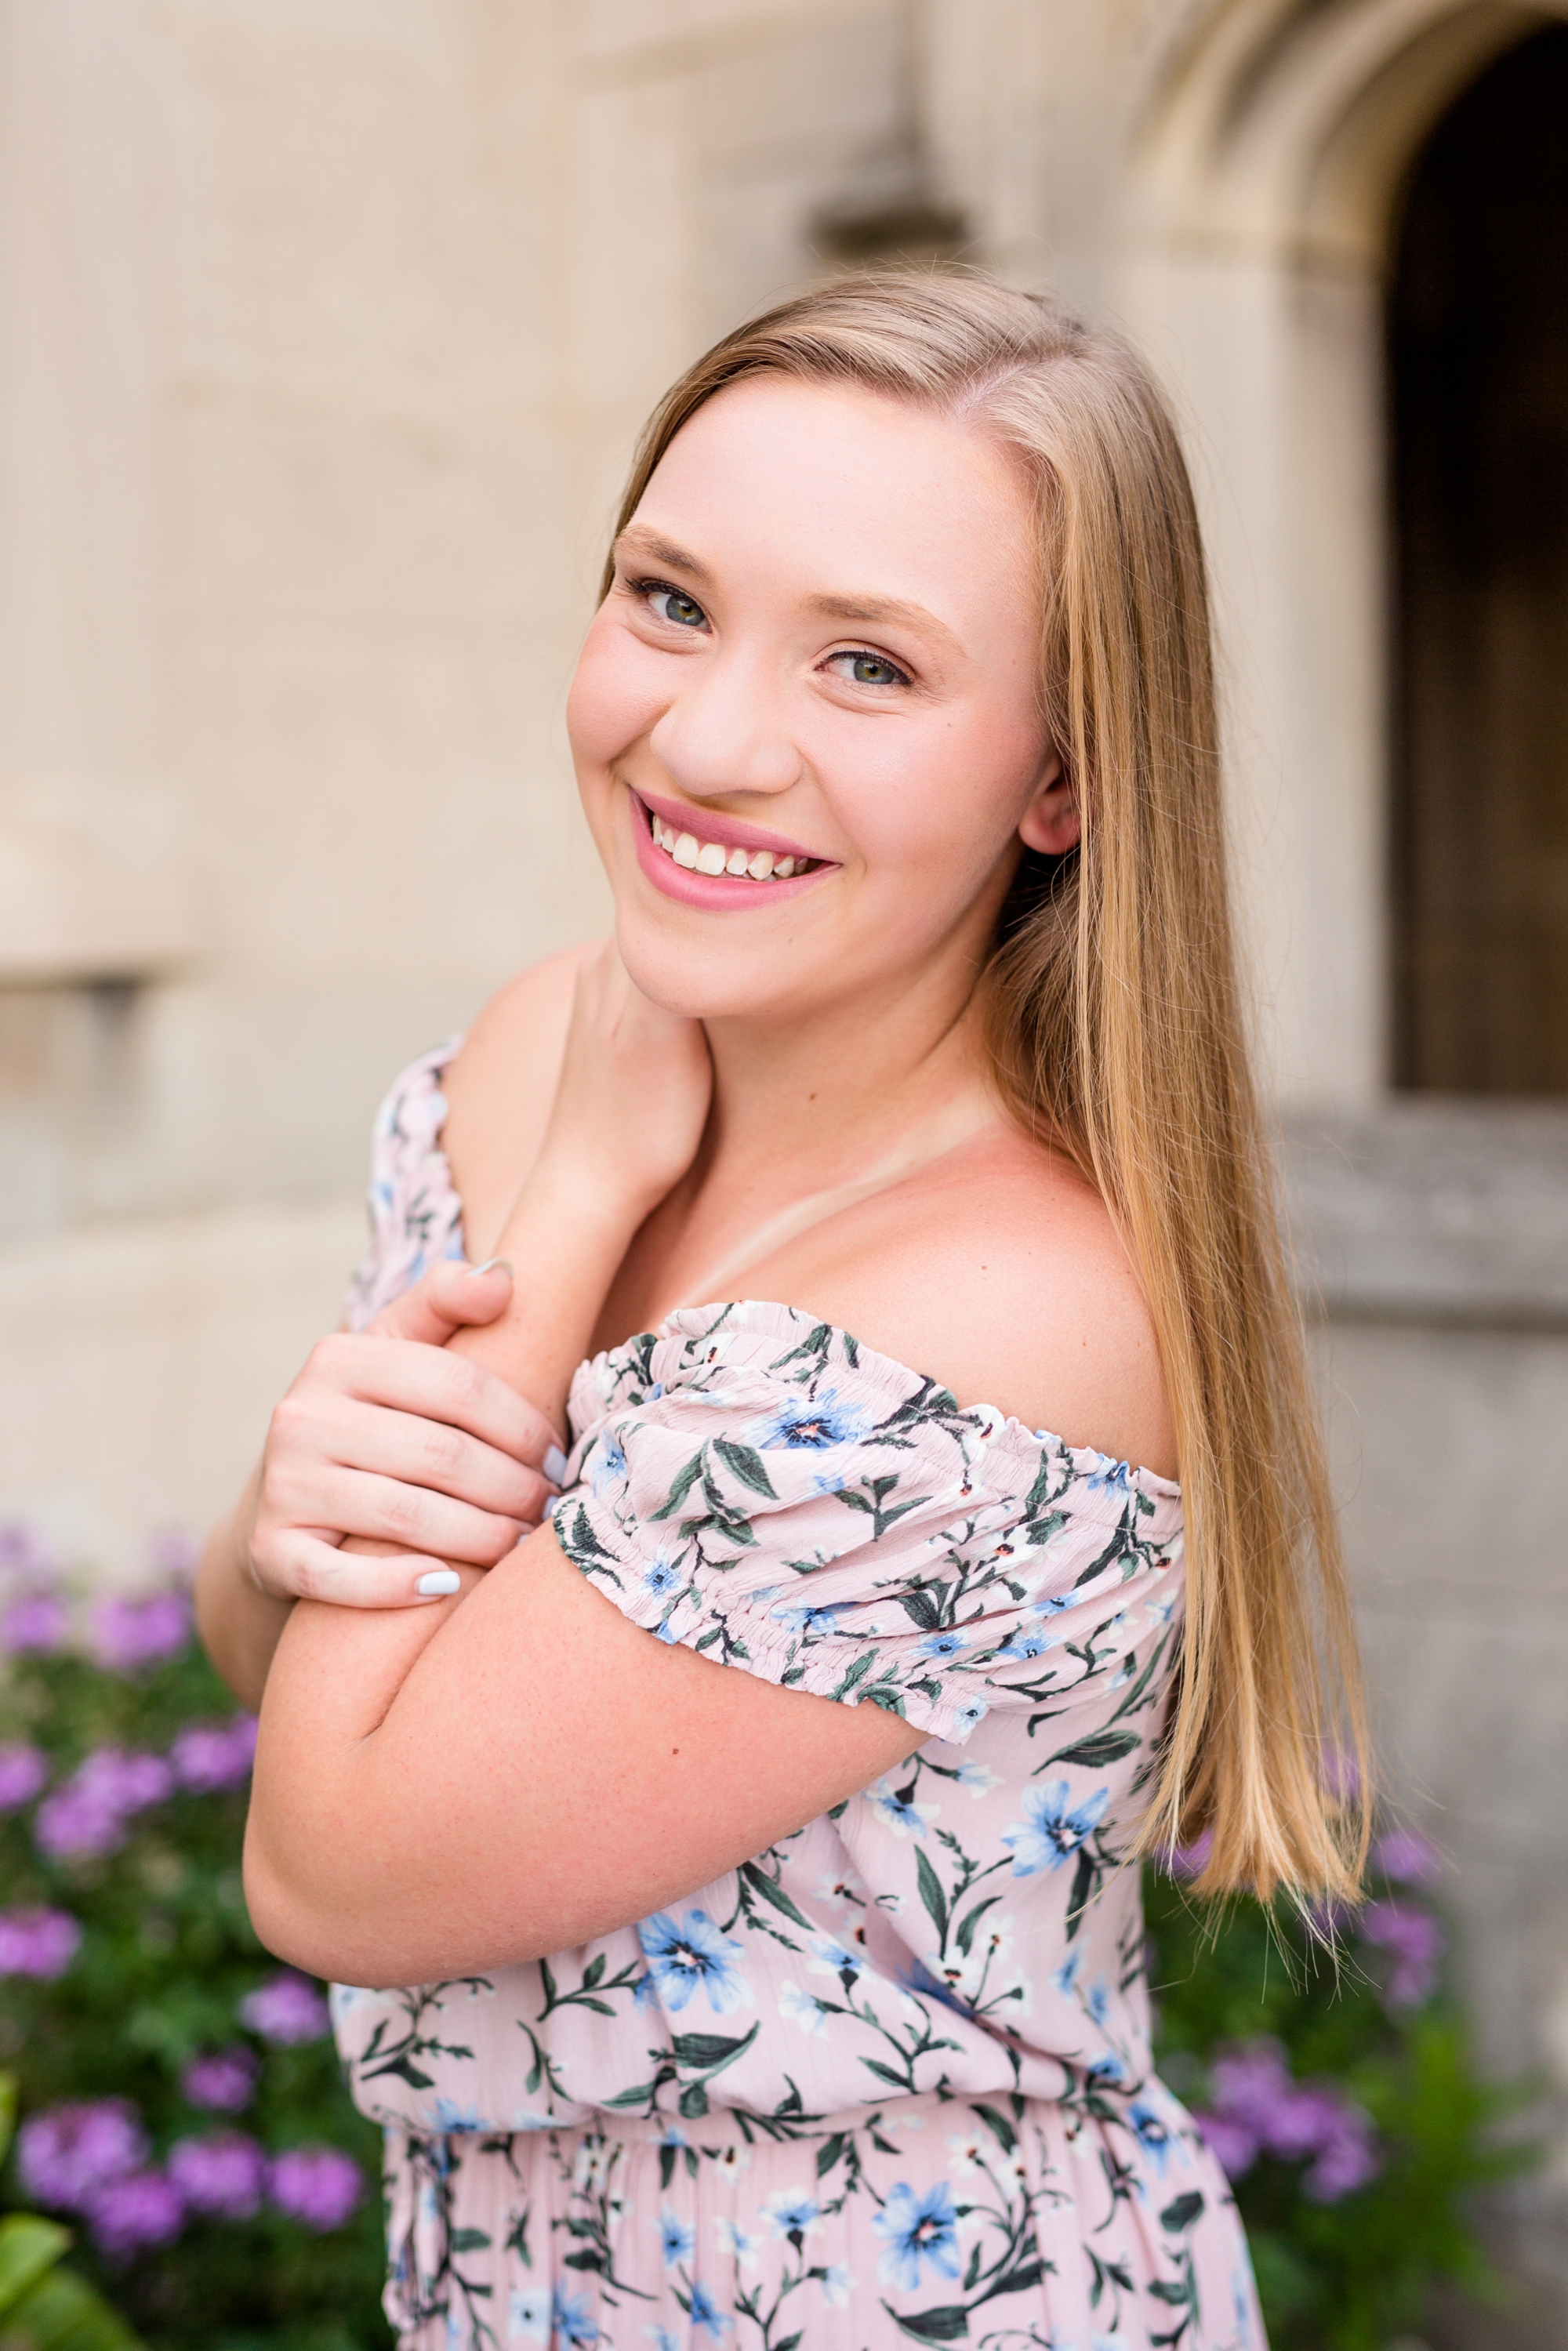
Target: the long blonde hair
pixel 1116 1033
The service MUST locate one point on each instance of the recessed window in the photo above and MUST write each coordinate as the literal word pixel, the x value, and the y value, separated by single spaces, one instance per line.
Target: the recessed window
pixel 1478 382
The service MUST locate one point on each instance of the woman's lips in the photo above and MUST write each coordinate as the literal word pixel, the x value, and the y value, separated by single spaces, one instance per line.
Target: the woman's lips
pixel 682 880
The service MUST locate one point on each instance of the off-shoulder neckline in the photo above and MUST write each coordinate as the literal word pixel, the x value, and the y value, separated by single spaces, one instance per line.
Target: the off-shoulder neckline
pixel 1096 1465
pixel 1104 1467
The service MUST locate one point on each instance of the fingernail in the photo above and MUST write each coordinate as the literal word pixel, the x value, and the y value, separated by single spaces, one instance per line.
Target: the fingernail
pixel 490 1264
pixel 554 1465
pixel 438 1583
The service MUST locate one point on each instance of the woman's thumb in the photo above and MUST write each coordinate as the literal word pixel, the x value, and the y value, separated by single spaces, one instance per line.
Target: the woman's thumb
pixel 450 1295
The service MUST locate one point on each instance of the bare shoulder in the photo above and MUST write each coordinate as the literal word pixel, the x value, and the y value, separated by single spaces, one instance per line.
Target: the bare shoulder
pixel 998 1270
pixel 500 1087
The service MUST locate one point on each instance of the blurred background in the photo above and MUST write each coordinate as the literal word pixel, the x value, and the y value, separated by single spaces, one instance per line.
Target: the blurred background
pixel 325 329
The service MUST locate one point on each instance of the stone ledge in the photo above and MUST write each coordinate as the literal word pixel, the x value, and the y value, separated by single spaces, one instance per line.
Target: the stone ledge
pixel 1444 1212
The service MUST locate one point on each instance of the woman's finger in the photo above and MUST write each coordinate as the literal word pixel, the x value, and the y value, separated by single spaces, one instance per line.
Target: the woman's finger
pixel 434 1382
pixel 343 1502
pixel 451 1296
pixel 349 1435
pixel 308 1568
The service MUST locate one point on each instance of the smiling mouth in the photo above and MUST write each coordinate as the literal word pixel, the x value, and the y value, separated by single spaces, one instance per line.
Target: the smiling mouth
pixel 695 855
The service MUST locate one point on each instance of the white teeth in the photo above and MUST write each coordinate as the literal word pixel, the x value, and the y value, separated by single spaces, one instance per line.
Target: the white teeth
pixel 714 857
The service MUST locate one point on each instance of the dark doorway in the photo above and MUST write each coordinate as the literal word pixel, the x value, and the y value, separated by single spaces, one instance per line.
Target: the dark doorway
pixel 1479 375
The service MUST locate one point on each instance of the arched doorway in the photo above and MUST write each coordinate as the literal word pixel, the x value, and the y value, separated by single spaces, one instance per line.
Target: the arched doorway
pixel 1478 344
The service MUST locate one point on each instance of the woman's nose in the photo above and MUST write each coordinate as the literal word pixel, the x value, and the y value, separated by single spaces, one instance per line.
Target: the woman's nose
pixel 723 733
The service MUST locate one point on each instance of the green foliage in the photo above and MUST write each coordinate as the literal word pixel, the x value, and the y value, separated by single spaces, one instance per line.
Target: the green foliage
pixel 166 1956
pixel 42 2305
pixel 1354 2272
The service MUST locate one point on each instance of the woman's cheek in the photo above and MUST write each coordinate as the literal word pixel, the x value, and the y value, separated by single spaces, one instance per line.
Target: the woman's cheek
pixel 613 699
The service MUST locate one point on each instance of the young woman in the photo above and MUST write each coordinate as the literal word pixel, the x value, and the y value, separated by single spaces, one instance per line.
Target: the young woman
pixel 780 1979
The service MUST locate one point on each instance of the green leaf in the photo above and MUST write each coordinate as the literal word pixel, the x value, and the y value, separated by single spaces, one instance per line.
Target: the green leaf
pixel 948 2324
pixel 1001 2130
pixel 829 2153
pixel 1019 2281
pixel 693 2101
pixel 931 1894
pixel 590 1973
pixel 680 1489
pixel 1101 1747
pixel 748 1466
pixel 469 2240
pixel 62 2312
pixel 709 2053
pixel 28 2247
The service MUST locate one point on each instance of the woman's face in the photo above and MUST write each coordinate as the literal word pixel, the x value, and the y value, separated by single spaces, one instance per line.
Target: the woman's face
pixel 805 719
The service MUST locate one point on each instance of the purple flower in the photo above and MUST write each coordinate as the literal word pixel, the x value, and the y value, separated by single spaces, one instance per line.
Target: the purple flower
pixel 1340 1773
pixel 1414 1942
pixel 1406 1858
pixel 221 2174
pixel 284 2009
pixel 1347 2158
pixel 211 1757
pixel 67 2153
pixel 1233 2142
pixel 174 1554
pixel 89 1813
pixel 1256 2108
pixel 143 2209
pixel 37 1942
pixel 127 1634
pixel 315 2185
pixel 225 2080
pixel 23 1771
pixel 35 1624
pixel 1188 1860
pixel 26 1553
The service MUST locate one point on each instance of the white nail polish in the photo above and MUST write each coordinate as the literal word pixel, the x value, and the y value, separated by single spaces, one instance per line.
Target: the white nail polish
pixel 438 1583
pixel 554 1465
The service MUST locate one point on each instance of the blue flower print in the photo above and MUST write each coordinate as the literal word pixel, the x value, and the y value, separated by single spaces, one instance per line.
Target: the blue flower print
pixel 811 1424
pixel 661 1576
pixel 944 1644
pixel 1022 1646
pixel 1097 2001
pixel 1111 1478
pixel 966 1716
pixel 607 1462
pixel 1106 2068
pixel 898 1809
pixel 1066 1975
pixel 812 1624
pixel 676 2242
pixel 706 2313
pixel 1056 1606
pixel 916 2229
pixel 1152 2136
pixel 1050 1833
pixel 679 1957
pixel 831 1958
pixel 793 2212
pixel 572 2320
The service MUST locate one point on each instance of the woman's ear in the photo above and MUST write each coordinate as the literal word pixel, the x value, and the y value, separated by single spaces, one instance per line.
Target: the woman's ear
pixel 1050 822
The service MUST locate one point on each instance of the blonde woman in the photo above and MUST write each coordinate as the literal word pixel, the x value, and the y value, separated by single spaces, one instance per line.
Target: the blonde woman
pixel 720 1729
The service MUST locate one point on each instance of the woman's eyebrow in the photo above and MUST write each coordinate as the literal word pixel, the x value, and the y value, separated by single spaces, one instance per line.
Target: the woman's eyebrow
pixel 870 609
pixel 662 551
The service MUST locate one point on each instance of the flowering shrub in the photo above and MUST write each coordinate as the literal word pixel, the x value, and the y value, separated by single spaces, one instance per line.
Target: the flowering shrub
pixel 1332 2078
pixel 182 2111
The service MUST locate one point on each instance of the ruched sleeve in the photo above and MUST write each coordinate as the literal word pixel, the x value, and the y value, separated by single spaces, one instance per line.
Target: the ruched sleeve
pixel 417 1218
pixel 752 1483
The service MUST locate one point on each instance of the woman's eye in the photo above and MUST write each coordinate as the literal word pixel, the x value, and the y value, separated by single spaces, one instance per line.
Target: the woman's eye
pixel 868 669
pixel 672 604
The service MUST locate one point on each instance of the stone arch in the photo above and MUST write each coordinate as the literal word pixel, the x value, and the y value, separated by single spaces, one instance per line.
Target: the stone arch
pixel 1270 142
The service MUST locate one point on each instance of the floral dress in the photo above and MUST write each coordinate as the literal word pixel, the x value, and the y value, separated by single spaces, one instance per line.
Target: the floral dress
pixel 889 2081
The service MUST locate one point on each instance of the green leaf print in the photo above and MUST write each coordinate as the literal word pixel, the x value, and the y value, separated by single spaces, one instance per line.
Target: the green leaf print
pixel 931 1894
pixel 684 1481
pixel 1101 1747
pixel 742 1462
pixel 1182 2213
pixel 760 1882
pixel 949 2324
pixel 709 2053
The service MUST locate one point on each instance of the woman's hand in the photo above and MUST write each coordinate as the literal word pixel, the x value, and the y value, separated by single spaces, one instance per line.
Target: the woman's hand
pixel 388 1435
pixel 632 1099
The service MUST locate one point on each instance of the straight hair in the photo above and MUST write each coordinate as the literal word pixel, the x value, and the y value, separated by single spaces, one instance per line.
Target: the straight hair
pixel 1115 1030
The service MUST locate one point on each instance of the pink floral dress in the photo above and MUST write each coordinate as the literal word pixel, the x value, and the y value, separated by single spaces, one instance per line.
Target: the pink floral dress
pixel 890 2081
